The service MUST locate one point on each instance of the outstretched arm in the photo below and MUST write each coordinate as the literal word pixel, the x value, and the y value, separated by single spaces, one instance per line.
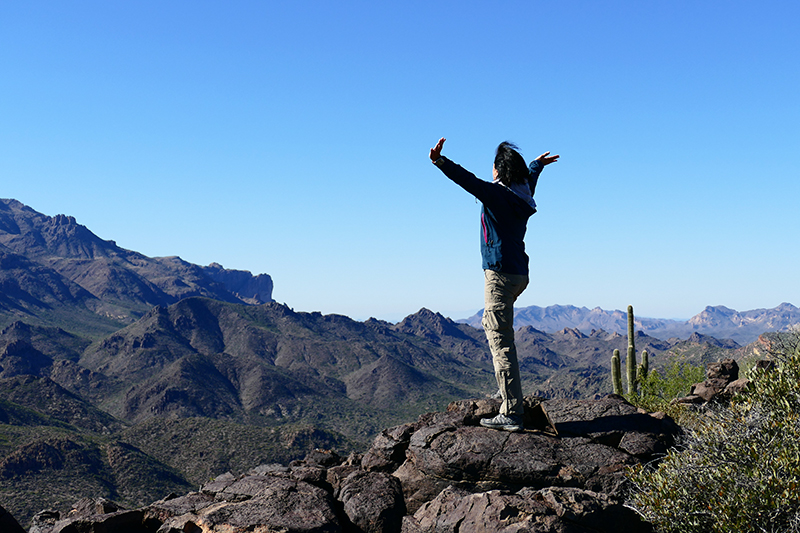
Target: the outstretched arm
pixel 482 190
pixel 436 151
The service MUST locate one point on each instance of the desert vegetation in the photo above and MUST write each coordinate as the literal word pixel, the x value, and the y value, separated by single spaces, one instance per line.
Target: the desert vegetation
pixel 738 466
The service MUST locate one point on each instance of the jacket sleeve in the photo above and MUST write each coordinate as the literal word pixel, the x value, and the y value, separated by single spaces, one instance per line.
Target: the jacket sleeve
pixel 535 169
pixel 477 187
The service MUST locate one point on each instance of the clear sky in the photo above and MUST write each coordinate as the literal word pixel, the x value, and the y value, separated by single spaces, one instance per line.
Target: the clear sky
pixel 292 138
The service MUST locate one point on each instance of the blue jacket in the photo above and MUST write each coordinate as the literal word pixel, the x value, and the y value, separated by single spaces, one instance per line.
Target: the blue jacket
pixel 504 217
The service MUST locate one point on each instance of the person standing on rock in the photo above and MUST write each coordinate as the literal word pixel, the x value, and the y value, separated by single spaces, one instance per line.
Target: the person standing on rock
pixel 507 204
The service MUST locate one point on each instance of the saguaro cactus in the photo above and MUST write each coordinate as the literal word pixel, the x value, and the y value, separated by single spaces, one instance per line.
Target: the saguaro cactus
pixel 643 368
pixel 630 362
pixel 616 373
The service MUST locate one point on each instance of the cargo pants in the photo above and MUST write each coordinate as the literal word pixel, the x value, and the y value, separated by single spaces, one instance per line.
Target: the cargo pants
pixel 500 292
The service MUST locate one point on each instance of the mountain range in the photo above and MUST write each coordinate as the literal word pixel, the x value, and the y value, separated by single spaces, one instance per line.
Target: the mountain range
pixel 721 322
pixel 129 377
pixel 54 270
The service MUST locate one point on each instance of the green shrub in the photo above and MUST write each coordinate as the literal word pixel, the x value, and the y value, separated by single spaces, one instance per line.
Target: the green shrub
pixel 738 469
pixel 657 390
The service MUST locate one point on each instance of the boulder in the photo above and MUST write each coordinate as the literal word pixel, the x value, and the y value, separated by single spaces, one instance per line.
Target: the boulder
pixel 735 387
pixel 551 510
pixel 388 451
pixel 253 502
pixel 597 440
pixel 709 389
pixel 120 521
pixel 726 370
pixel 43 521
pixel 721 384
pixel 373 501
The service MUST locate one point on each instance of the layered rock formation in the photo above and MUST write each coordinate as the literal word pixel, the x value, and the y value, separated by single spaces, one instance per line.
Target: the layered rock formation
pixel 442 473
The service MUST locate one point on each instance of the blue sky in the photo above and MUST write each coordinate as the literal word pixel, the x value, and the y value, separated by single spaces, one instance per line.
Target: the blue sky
pixel 291 138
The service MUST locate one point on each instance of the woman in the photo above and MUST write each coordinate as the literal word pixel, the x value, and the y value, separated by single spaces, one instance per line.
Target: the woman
pixel 507 205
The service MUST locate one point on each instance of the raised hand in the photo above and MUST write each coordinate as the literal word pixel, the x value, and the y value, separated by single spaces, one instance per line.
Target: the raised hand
pixel 436 151
pixel 545 159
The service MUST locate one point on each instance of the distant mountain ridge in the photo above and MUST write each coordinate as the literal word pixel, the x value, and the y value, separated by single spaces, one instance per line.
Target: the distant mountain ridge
pixel 721 322
pixel 55 269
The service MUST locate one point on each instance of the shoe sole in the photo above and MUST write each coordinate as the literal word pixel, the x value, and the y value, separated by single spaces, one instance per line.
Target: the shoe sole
pixel 513 429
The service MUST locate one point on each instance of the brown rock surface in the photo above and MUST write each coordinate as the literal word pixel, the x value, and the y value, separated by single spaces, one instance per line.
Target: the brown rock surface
pixel 442 473
pixel 597 440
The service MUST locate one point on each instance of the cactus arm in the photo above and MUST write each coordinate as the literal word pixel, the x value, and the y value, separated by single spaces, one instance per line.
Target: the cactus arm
pixel 616 373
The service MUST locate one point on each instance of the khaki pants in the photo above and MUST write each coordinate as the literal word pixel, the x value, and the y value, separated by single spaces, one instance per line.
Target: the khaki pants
pixel 500 293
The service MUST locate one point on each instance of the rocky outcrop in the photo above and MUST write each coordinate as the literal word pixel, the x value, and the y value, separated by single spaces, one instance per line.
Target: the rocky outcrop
pixel 596 440
pixel 250 289
pixel 721 384
pixel 442 473
pixel 551 510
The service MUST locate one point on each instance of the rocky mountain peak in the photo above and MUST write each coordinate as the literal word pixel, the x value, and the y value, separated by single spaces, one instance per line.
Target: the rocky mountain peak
pixel 574 333
pixel 427 323
pixel 57 253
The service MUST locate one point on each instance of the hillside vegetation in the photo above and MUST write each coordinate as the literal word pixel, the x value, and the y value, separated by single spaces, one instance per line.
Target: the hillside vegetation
pixel 738 469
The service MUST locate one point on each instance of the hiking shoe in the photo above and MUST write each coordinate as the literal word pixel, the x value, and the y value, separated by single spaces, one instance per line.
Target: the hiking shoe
pixel 504 422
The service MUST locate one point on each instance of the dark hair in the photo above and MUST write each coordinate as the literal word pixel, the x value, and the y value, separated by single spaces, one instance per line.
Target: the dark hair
pixel 510 166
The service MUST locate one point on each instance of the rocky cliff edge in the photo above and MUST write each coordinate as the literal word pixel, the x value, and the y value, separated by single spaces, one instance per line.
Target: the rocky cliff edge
pixel 442 473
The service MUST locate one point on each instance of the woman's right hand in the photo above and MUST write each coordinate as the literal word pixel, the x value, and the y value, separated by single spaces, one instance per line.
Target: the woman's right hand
pixel 436 151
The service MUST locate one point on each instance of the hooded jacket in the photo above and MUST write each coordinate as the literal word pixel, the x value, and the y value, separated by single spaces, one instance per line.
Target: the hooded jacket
pixel 504 217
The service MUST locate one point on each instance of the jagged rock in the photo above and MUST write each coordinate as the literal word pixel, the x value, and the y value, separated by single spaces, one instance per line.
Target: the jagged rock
pixel 721 384
pixel 253 503
pixel 125 521
pixel 190 504
pixel 551 510
pixel 321 458
pixel 388 451
pixel 337 475
pixel 735 387
pixel 373 501
pixel 88 507
pixel 93 516
pixel 43 521
pixel 219 483
pixel 726 369
pixel 598 439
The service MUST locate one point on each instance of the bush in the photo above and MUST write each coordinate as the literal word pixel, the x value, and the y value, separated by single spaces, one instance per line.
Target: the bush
pixel 738 470
pixel 657 391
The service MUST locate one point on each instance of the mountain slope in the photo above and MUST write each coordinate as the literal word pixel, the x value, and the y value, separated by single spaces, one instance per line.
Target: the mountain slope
pixel 202 357
pixel 48 262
